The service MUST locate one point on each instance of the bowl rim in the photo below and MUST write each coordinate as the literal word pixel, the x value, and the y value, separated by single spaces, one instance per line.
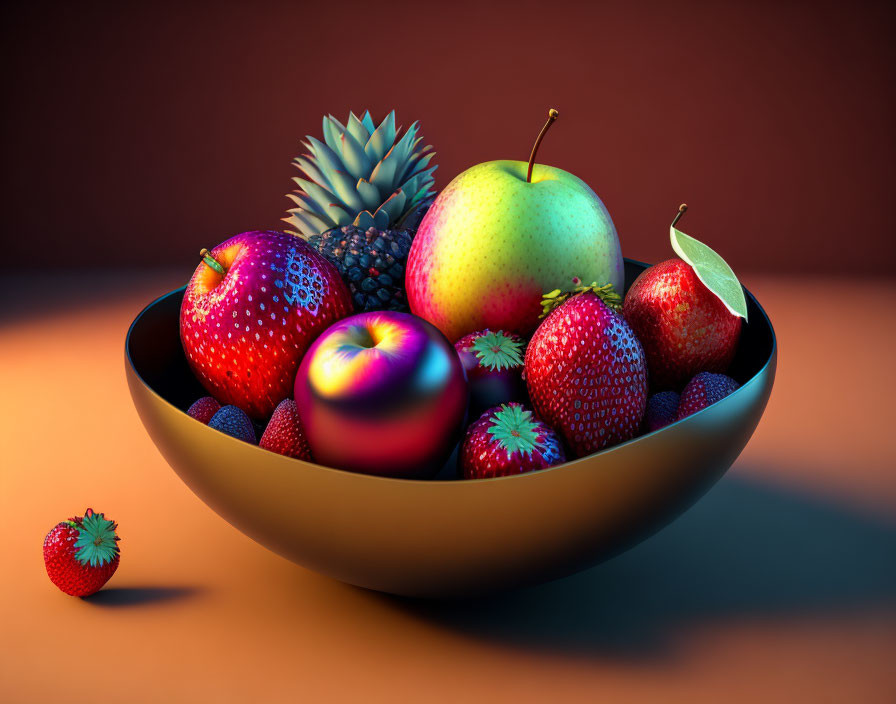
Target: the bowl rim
pixel 439 482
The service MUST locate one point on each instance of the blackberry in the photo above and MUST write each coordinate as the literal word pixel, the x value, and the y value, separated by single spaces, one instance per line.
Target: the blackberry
pixel 371 262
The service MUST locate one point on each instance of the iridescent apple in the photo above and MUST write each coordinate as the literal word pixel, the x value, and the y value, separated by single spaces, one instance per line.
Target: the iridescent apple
pixel 252 308
pixel 500 236
pixel 382 393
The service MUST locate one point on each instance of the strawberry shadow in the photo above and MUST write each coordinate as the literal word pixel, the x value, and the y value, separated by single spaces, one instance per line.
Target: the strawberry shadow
pixel 747 551
pixel 116 597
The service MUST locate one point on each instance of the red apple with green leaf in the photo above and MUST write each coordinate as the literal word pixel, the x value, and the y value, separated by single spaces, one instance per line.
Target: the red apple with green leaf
pixel 686 312
pixel 253 307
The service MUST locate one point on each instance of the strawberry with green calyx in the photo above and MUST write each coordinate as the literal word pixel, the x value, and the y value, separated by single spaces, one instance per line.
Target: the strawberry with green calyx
pixel 686 312
pixel 586 371
pixel 81 554
pixel 493 361
pixel 508 439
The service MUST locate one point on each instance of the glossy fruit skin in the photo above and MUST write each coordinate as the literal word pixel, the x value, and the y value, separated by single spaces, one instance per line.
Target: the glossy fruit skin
pixel 662 409
pixel 204 409
pixel 231 421
pixel 587 375
pixel 492 245
pixel 64 570
pixel 382 393
pixel 704 390
pixel 491 384
pixel 683 326
pixel 244 333
pixel 482 456
pixel 284 433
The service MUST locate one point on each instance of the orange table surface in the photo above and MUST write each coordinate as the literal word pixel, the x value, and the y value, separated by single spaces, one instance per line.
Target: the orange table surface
pixel 779 585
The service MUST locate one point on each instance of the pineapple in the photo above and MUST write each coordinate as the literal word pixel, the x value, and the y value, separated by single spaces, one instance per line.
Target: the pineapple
pixel 366 190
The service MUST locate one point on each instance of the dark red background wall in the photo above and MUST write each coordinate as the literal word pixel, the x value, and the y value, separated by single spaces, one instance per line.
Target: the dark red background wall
pixel 135 135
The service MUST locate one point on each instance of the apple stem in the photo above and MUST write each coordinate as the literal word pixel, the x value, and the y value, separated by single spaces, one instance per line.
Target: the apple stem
pixel 211 261
pixel 682 209
pixel 552 115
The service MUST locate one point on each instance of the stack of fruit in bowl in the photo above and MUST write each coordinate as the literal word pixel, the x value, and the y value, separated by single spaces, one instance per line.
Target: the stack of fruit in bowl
pixel 393 326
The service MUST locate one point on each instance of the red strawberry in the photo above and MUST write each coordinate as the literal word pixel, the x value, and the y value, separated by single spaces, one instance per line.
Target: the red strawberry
pixel 203 409
pixel 284 434
pixel 586 373
pixel 662 409
pixel 232 421
pixel 81 554
pixel 253 307
pixel 506 440
pixel 684 327
pixel 494 365
pixel 704 390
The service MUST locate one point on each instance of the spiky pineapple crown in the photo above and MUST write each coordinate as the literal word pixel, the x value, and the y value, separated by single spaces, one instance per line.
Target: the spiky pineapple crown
pixel 360 175
pixel 97 542
pixel 498 350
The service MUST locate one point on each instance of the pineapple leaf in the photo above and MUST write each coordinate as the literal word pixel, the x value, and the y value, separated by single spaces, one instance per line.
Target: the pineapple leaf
pixel 333 130
pixel 357 129
pixel 353 156
pixel 305 202
pixel 311 171
pixel 321 195
pixel 339 214
pixel 364 220
pixel 307 224
pixel 383 176
pixel 369 194
pixel 393 205
pixel 367 121
pixel 382 139
pixel 421 195
pixel 381 220
pixel 403 149
pixel 343 185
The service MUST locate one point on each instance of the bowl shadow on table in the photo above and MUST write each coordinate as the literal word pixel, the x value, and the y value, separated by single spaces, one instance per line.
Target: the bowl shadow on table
pixel 116 597
pixel 746 551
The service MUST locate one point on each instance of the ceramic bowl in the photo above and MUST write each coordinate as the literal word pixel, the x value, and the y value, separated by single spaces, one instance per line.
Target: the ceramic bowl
pixel 442 538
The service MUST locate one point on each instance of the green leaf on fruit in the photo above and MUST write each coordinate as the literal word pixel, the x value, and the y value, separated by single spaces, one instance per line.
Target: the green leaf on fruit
pixel 712 270
pixel 556 298
pixel 515 428
pixel 497 350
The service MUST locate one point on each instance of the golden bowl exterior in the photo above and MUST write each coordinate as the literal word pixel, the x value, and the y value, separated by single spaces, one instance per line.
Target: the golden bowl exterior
pixel 444 538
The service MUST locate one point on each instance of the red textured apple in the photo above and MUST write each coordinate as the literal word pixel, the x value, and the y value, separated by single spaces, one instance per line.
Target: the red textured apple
pixel 686 312
pixel 682 325
pixel 251 310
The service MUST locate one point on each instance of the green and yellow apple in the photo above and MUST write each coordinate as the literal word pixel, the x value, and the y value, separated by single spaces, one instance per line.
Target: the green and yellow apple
pixel 494 242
